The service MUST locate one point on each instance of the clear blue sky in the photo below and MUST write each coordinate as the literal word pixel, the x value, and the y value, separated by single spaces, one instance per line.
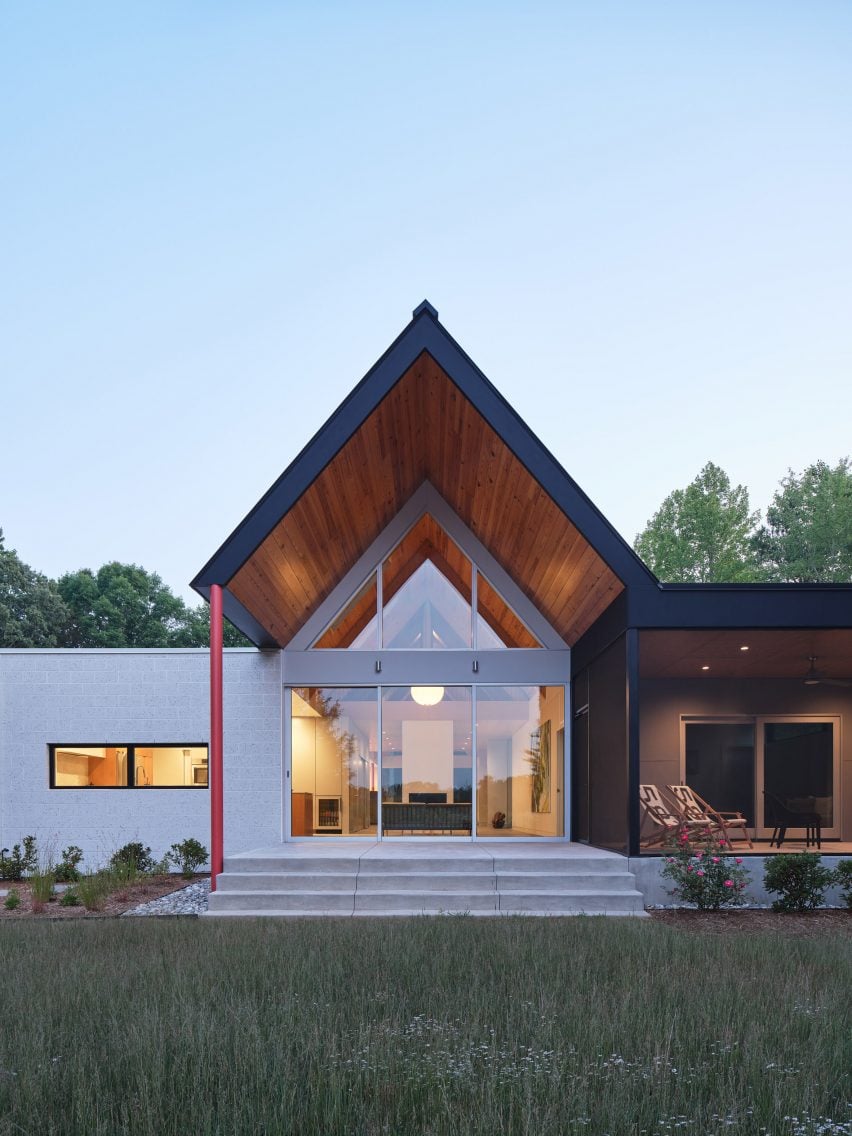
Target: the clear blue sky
pixel 637 218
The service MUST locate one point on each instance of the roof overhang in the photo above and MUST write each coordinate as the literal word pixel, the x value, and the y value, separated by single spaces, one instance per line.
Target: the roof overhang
pixel 711 653
pixel 423 413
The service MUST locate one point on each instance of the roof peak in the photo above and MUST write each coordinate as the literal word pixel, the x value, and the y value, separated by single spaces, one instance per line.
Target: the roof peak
pixel 425 309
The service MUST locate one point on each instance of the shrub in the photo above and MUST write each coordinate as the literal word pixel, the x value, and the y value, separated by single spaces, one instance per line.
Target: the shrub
pixel 93 888
pixel 70 899
pixel 708 877
pixel 843 877
pixel 131 860
pixel 799 879
pixel 41 888
pixel 20 861
pixel 67 871
pixel 189 855
pixel 12 901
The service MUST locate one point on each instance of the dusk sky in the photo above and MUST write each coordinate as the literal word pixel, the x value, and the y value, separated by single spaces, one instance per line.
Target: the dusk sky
pixel 636 218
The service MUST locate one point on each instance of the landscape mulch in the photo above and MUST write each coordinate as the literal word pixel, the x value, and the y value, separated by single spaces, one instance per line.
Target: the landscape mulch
pixel 115 904
pixel 801 925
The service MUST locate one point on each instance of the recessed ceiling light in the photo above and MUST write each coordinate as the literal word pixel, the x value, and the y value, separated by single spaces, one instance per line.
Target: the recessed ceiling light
pixel 705 668
pixel 743 648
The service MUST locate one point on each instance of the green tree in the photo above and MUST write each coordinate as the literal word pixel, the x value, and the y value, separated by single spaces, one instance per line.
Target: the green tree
pixel 808 532
pixel 702 534
pixel 31 610
pixel 195 631
pixel 120 605
pixel 123 605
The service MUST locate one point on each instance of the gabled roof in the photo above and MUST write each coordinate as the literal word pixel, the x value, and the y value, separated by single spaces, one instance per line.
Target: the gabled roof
pixel 423 412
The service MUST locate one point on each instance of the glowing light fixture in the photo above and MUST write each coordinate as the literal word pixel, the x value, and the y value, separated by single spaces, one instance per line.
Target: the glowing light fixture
pixel 705 668
pixel 743 648
pixel 427 695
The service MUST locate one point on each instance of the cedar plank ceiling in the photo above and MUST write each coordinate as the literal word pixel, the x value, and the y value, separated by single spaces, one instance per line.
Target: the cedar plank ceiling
pixel 424 429
pixel 770 654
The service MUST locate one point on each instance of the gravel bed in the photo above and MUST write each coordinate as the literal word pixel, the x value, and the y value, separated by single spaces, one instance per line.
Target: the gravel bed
pixel 191 900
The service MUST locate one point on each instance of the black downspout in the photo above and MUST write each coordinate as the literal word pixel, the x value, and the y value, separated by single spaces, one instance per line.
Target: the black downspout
pixel 633 773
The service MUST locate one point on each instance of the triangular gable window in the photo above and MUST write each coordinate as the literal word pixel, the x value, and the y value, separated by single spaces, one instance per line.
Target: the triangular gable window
pixel 426 594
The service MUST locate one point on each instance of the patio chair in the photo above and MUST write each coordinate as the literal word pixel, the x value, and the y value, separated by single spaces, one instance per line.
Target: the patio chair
pixel 668 820
pixel 785 818
pixel 696 808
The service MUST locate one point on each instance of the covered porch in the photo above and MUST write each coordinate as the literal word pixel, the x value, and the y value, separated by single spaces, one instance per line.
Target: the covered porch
pixel 758 723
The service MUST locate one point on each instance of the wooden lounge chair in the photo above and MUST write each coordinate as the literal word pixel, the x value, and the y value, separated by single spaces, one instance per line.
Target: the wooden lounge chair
pixel 668 819
pixel 696 809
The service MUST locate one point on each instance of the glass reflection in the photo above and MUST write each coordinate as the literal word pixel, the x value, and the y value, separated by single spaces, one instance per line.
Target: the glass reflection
pixel 427 783
pixel 519 760
pixel 334 761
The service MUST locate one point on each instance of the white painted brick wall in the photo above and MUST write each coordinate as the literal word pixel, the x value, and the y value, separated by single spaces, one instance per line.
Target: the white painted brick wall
pixel 137 697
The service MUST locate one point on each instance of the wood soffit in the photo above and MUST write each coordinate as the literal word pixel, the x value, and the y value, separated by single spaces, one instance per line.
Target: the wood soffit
pixel 770 654
pixel 424 429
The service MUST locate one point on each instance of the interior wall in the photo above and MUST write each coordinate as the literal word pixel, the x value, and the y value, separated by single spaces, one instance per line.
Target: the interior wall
pixel 427 758
pixel 664 701
pixel 520 816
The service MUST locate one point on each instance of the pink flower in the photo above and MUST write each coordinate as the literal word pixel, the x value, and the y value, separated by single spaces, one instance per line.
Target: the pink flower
pixel 699 855
pixel 699 873
pixel 729 883
pixel 739 859
pixel 688 868
pixel 715 859
pixel 722 843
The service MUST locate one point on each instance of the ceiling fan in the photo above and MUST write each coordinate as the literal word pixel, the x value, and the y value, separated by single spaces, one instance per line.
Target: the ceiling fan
pixel 817 678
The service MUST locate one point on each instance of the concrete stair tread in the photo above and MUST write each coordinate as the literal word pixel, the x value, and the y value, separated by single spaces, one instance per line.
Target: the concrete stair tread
pixel 369 881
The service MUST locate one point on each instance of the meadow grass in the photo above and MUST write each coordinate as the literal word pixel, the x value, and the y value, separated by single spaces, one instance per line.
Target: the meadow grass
pixel 447 1025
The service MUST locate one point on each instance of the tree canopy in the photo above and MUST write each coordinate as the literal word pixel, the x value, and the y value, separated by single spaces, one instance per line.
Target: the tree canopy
pixel 120 605
pixel 702 534
pixel 123 605
pixel 808 530
pixel 32 612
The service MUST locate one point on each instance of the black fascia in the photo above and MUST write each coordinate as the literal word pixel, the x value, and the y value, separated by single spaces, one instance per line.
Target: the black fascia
pixel 423 334
pixel 765 606
pixel 241 618
pixel 715 606
pixel 315 456
pixel 539 461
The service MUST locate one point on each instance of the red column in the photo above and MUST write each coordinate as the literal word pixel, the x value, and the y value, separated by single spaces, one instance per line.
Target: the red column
pixel 216 774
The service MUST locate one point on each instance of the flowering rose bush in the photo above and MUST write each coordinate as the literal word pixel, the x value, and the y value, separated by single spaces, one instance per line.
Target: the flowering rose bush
pixel 707 876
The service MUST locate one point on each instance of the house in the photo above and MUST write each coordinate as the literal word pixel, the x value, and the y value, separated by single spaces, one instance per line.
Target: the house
pixel 454 646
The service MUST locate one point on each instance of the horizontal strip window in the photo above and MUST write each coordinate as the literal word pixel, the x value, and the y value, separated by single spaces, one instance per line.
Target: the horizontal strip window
pixel 178 766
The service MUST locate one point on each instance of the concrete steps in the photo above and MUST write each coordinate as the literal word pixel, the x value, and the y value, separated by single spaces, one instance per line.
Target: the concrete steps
pixel 374 879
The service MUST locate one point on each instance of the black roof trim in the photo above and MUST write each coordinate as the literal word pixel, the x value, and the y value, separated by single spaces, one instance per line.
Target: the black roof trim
pixel 241 618
pixel 741 605
pixel 423 333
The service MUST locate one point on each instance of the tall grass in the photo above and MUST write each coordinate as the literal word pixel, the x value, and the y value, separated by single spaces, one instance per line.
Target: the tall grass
pixel 434 1027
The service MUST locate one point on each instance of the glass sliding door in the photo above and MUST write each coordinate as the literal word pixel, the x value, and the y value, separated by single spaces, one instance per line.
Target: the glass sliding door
pixel 719 764
pixel 427 782
pixel 398 761
pixel 335 773
pixel 799 769
pixel 766 766
pixel 520 734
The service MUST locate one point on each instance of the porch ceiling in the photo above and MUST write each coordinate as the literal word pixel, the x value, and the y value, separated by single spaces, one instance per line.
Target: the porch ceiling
pixel 770 654
pixel 425 428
